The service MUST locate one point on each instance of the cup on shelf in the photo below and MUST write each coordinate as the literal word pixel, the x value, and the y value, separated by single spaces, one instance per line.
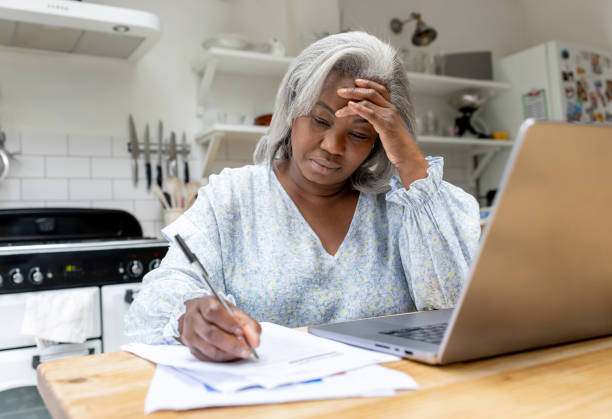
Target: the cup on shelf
pixel 170 215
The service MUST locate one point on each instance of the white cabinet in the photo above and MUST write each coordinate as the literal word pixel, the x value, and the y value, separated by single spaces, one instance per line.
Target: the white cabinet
pixel 265 65
pixel 116 300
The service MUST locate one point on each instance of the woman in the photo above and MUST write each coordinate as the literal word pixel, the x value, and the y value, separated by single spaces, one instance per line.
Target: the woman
pixel 341 217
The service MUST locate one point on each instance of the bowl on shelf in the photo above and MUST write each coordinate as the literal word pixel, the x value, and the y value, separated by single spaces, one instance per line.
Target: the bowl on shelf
pixel 263 120
pixel 230 41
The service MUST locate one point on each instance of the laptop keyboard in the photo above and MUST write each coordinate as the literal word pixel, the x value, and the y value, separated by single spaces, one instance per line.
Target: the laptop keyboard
pixel 432 333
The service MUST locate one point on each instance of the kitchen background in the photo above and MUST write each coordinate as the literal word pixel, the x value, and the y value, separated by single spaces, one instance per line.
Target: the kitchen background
pixel 67 116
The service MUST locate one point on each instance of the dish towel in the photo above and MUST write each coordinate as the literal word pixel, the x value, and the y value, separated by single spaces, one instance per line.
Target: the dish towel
pixel 65 316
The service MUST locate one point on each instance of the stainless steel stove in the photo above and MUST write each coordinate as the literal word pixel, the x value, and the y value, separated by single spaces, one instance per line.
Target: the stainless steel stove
pixel 44 251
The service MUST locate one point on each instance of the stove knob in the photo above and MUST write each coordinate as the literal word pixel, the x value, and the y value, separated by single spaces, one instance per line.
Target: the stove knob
pixel 154 264
pixel 16 276
pixel 135 268
pixel 36 276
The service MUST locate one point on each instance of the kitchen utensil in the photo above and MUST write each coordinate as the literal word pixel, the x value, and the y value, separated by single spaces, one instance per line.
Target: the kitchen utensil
pixel 134 149
pixel 147 156
pixel 192 189
pixel 4 157
pixel 185 158
pixel 160 195
pixel 174 186
pixel 4 164
pixel 172 163
pixel 160 138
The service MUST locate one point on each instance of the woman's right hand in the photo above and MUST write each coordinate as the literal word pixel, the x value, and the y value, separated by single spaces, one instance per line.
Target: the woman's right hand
pixel 213 334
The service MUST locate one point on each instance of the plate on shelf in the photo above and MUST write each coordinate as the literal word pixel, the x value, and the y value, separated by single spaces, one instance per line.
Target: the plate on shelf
pixel 230 41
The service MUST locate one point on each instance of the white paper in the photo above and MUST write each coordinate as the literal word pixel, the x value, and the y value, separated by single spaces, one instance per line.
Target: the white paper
pixel 172 390
pixel 286 356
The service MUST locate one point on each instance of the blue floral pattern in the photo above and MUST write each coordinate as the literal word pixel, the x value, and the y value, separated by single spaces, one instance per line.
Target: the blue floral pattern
pixel 405 250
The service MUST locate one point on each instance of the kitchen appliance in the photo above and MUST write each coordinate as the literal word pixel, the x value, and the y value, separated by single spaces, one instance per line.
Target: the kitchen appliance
pixel 47 250
pixel 559 81
pixel 470 65
pixel 467 102
pixel 77 28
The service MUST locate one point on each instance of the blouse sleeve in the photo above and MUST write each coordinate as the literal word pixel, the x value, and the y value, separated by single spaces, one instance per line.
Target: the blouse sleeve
pixel 153 316
pixel 439 236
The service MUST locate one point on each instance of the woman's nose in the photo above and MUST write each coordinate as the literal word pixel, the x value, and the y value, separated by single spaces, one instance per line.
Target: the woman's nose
pixel 333 143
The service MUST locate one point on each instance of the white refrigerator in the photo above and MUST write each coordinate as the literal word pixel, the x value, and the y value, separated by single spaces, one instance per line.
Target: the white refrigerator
pixel 558 81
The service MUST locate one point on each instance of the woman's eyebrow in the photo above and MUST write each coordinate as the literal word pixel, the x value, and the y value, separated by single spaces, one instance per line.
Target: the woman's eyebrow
pixel 326 106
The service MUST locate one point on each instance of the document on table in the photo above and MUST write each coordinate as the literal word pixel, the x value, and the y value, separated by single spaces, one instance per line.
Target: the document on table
pixel 286 356
pixel 171 390
pixel 292 366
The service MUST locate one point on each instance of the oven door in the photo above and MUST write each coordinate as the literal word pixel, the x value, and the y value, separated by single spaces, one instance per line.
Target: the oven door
pixel 12 309
pixel 18 393
pixel 116 300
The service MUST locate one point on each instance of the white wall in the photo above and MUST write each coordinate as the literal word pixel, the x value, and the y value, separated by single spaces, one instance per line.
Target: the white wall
pixel 588 22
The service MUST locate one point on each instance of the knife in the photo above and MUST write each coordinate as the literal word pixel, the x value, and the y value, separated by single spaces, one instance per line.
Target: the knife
pixel 185 156
pixel 134 149
pixel 160 138
pixel 172 163
pixel 147 156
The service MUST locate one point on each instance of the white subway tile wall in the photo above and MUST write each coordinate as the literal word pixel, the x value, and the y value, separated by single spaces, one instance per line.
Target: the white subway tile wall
pixel 68 167
pixel 26 166
pixel 46 189
pixel 41 143
pixel 89 145
pixel 77 170
pixel 10 190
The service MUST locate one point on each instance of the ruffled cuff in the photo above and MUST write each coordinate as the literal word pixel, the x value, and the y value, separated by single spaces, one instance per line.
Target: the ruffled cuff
pixel 420 191
pixel 171 332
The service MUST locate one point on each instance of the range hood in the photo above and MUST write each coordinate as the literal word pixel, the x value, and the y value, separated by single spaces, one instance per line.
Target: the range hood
pixel 77 28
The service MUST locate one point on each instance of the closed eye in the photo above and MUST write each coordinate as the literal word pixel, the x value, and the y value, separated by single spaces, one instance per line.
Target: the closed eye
pixel 321 121
pixel 359 136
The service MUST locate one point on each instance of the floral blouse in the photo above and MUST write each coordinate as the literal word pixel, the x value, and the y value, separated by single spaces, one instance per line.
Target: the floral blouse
pixel 405 250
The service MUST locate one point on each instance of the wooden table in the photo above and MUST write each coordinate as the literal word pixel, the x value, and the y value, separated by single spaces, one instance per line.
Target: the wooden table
pixel 573 380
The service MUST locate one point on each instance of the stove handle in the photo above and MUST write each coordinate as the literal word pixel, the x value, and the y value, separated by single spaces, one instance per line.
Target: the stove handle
pixel 129 296
pixel 36 358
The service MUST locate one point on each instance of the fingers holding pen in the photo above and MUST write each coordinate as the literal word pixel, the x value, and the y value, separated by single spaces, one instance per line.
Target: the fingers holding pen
pixel 211 333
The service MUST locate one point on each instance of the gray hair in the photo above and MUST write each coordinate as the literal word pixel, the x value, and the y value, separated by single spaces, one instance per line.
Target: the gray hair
pixel 354 54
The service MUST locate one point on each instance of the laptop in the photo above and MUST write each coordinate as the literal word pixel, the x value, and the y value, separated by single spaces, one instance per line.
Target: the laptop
pixel 543 272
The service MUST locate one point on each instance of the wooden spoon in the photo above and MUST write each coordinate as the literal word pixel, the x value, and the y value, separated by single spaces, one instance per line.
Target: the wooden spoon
pixel 174 186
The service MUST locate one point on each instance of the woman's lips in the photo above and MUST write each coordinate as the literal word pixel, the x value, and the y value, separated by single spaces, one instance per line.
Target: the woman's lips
pixel 324 166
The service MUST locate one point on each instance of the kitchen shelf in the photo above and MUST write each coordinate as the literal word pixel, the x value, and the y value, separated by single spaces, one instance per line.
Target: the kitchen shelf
pixel 243 63
pixel 212 137
pixel 431 84
pixel 249 63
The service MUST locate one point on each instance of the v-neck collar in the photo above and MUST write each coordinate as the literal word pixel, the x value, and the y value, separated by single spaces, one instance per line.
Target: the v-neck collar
pixel 299 215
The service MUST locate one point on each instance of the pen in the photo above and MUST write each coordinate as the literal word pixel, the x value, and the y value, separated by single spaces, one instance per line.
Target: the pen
pixel 192 258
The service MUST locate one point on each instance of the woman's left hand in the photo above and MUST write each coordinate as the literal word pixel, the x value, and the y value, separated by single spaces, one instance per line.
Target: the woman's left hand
pixel 371 101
